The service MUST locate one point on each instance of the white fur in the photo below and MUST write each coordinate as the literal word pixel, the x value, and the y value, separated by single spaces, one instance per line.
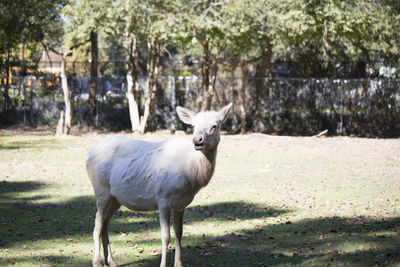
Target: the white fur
pixel 139 173
pixel 148 176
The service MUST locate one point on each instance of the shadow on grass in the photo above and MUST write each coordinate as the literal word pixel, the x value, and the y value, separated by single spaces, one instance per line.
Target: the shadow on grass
pixel 265 241
pixel 8 147
pixel 48 143
pixel 130 221
pixel 8 190
pixel 21 219
pixel 320 242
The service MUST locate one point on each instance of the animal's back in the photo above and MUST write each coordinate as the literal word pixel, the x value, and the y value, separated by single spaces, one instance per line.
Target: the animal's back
pixel 138 174
pixel 107 155
pixel 135 172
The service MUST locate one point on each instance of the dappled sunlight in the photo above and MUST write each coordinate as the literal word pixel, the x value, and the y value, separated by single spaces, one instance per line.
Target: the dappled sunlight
pixel 291 205
pixel 351 241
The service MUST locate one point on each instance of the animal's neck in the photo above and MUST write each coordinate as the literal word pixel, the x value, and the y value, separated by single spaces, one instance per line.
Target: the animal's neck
pixel 210 155
pixel 203 167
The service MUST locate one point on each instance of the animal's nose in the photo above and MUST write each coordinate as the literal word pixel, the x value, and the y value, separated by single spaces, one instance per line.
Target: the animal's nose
pixel 198 140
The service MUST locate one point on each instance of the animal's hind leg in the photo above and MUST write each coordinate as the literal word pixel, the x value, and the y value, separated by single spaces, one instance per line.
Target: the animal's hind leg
pixel 113 208
pixel 178 220
pixel 103 203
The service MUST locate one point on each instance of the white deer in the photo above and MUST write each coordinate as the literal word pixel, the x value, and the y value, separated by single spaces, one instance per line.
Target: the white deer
pixel 149 176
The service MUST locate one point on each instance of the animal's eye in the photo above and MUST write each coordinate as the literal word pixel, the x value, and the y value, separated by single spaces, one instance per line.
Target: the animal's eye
pixel 213 128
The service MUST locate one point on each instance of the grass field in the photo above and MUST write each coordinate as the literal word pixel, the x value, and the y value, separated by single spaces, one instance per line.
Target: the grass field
pixel 273 201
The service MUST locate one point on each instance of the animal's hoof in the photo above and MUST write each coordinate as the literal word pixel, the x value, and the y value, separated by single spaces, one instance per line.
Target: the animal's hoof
pixel 97 262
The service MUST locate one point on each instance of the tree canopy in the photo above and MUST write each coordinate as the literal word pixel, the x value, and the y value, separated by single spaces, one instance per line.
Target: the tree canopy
pixel 322 31
pixel 209 38
pixel 28 22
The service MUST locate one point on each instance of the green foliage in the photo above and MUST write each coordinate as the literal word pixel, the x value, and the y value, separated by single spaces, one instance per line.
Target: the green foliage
pixel 331 31
pixel 25 21
pixel 345 31
pixel 150 20
pixel 83 17
pixel 247 24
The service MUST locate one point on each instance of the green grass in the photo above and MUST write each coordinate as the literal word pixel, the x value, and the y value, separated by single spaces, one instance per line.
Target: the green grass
pixel 273 201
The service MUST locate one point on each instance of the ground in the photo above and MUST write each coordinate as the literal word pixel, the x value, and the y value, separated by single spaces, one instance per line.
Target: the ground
pixel 273 201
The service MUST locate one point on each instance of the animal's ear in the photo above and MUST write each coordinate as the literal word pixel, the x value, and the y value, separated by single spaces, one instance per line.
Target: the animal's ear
pixel 224 112
pixel 186 115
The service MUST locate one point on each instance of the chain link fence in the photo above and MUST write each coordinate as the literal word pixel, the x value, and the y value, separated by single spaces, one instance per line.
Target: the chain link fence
pixel 295 106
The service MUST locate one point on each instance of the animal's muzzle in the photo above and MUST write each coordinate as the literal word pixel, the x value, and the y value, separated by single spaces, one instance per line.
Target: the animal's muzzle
pixel 198 142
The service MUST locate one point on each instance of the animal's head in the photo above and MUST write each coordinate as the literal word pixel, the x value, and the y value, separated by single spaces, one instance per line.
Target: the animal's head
pixel 207 125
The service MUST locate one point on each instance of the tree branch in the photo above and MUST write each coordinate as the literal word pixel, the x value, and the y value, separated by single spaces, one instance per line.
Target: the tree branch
pixel 167 51
pixel 215 58
pixel 68 52
pixel 325 36
pixel 47 53
pixel 79 44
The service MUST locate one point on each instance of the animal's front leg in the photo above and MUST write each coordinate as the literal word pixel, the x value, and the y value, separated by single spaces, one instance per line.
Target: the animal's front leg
pixel 97 262
pixel 178 220
pixel 165 214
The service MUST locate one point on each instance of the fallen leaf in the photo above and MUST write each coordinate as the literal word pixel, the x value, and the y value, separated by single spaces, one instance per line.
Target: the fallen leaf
pixel 155 252
pixel 333 252
pixel 13 262
pixel 123 235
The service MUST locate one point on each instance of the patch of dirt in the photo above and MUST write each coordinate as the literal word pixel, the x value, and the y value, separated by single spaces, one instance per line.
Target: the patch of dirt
pixel 251 142
pixel 51 130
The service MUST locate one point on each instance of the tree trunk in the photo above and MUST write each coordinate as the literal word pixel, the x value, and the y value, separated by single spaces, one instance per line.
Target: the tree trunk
pixel 242 96
pixel 132 81
pixel 22 67
pixel 22 70
pixel 67 96
pixel 210 88
pixel 147 87
pixel 206 87
pixel 147 104
pixel 153 69
pixel 132 74
pixel 132 87
pixel 264 68
pixel 60 124
pixel 91 110
pixel 263 71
